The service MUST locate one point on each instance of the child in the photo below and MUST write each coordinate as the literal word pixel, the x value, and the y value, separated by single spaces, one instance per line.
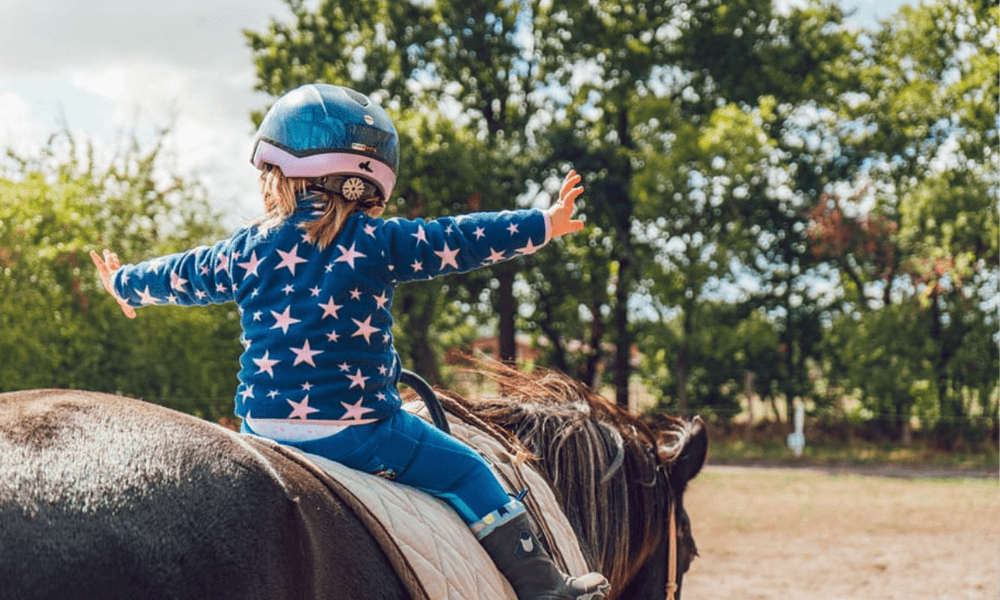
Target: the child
pixel 313 280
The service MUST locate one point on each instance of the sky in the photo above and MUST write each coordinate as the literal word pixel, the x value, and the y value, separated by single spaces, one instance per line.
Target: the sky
pixel 105 68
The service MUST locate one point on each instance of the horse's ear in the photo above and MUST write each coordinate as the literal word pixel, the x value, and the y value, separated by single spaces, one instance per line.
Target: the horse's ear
pixel 692 457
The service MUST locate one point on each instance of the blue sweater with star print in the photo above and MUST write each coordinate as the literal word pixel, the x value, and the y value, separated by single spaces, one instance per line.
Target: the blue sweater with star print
pixel 317 323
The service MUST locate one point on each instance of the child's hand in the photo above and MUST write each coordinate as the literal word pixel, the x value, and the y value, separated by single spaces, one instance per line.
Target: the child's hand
pixel 105 269
pixel 561 213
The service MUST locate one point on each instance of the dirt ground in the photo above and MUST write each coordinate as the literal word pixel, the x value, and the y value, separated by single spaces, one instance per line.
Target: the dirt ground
pixel 806 535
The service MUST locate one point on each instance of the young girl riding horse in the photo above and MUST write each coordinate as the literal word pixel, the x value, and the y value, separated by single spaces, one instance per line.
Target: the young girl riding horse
pixel 313 280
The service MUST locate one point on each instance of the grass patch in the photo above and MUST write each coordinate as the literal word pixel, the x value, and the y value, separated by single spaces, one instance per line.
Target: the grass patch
pixel 734 447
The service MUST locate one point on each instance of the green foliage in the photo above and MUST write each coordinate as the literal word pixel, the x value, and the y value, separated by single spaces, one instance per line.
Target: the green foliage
pixel 773 199
pixel 768 191
pixel 703 355
pixel 60 329
pixel 745 50
pixel 923 260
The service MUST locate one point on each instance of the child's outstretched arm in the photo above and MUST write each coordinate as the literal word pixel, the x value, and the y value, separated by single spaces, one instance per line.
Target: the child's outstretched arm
pixel 421 249
pixel 105 269
pixel 561 213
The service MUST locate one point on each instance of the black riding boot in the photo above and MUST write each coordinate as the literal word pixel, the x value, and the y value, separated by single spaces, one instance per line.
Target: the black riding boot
pixel 529 569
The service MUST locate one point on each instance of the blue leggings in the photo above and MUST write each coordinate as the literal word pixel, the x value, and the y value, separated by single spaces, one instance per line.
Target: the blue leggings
pixel 412 451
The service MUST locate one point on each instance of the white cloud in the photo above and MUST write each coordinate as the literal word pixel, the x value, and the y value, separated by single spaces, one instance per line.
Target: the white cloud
pixel 57 34
pixel 105 69
pixel 19 127
pixel 208 115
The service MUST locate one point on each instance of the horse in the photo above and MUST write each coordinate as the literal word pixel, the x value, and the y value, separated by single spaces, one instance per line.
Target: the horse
pixel 103 496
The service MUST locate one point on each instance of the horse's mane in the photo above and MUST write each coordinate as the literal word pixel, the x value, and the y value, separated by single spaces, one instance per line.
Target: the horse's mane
pixel 601 461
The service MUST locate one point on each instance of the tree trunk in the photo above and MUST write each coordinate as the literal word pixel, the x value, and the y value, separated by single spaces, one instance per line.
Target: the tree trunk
pixel 623 364
pixel 623 215
pixel 507 307
pixel 748 389
pixel 591 374
pixel 681 368
pixel 559 360
pixel 683 359
pixel 952 411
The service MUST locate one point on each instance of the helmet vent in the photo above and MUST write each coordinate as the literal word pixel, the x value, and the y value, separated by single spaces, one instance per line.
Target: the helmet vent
pixel 357 97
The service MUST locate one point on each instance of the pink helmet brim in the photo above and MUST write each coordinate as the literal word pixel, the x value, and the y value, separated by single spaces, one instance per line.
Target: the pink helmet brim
pixel 321 165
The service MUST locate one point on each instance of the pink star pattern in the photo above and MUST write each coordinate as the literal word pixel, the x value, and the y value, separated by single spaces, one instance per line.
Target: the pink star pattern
pixel 494 257
pixel 300 286
pixel 177 282
pixel 421 235
pixel 357 380
pixel 290 259
pixel 447 256
pixel 528 248
pixel 266 364
pixel 283 320
pixel 301 410
pixel 348 256
pixel 365 329
pixel 305 354
pixel 251 265
pixel 145 298
pixel 330 308
pixel 356 411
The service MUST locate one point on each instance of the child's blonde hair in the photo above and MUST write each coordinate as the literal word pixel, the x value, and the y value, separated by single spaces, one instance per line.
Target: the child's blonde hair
pixel 280 192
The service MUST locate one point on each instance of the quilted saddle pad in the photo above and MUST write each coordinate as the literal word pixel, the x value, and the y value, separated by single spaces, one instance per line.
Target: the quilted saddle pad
pixel 434 552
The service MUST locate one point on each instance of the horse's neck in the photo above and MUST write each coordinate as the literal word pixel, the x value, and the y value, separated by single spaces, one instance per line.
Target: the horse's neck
pixel 609 488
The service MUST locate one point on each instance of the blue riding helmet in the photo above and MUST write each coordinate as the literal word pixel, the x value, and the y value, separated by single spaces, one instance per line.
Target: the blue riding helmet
pixel 320 130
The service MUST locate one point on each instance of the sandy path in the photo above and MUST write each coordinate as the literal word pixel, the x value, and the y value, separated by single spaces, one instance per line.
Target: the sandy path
pixel 804 535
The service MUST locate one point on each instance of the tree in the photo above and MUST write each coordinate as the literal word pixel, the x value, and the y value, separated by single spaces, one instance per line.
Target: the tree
pixel 605 55
pixel 919 236
pixel 507 67
pixel 464 57
pixel 60 328
pixel 724 187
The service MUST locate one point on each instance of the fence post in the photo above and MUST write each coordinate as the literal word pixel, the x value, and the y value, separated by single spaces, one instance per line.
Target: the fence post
pixel 797 439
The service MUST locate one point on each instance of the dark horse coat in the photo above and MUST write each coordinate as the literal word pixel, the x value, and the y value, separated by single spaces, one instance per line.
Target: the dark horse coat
pixel 107 497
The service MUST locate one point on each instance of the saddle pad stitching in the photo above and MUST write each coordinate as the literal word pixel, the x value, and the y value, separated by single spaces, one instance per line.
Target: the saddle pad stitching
pixel 444 574
pixel 431 563
pixel 401 562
